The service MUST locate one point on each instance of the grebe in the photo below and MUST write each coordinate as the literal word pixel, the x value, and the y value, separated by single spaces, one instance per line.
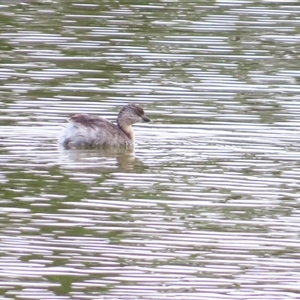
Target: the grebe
pixel 86 131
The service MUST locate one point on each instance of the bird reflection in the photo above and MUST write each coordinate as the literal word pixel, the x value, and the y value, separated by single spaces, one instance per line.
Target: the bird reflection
pixel 122 160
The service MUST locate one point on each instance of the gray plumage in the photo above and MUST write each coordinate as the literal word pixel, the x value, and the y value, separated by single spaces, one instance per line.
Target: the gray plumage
pixel 85 131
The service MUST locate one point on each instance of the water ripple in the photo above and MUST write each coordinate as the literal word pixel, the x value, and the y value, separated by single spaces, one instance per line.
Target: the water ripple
pixel 206 207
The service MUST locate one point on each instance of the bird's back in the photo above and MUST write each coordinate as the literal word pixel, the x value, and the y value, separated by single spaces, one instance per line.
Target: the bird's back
pixel 85 130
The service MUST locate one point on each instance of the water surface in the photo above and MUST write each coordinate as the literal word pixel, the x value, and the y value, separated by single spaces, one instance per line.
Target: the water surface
pixel 207 206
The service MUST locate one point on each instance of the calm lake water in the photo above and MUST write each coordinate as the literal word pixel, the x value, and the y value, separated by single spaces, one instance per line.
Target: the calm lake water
pixel 208 206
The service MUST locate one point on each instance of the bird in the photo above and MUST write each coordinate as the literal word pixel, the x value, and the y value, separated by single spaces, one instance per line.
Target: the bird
pixel 89 131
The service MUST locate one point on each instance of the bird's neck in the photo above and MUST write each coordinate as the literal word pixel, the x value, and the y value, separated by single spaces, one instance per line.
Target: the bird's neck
pixel 126 128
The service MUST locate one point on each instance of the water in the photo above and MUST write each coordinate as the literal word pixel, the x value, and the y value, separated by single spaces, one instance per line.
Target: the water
pixel 208 205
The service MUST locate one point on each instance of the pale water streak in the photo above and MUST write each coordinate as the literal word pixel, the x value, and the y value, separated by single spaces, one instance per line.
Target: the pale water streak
pixel 207 207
